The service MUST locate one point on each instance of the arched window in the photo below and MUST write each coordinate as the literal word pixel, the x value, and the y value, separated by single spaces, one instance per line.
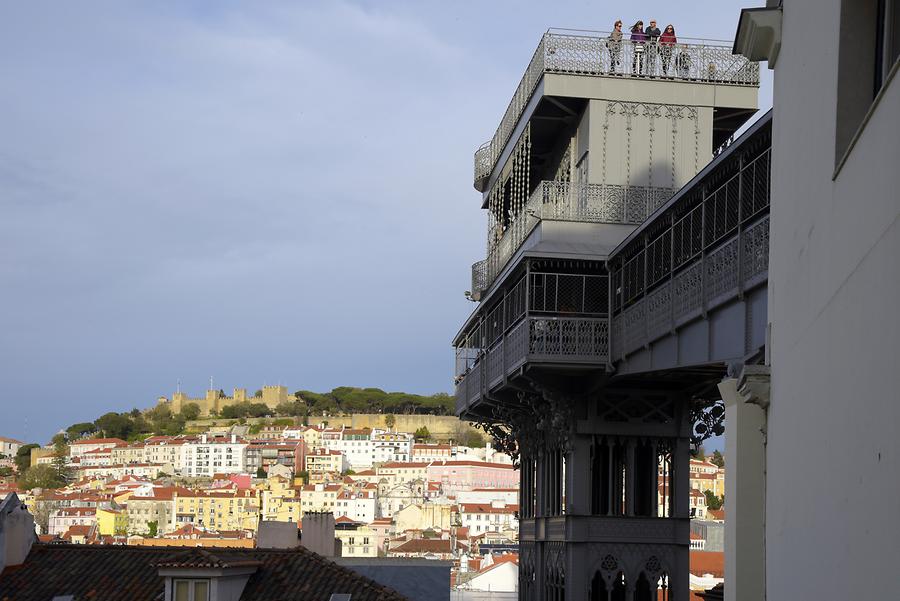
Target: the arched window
pixel 599 591
pixel 619 588
pixel 642 589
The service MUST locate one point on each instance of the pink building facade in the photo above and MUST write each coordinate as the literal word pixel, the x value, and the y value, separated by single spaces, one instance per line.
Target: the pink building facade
pixel 456 476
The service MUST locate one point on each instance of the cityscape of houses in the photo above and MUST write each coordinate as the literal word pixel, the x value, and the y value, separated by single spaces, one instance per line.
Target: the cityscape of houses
pixel 385 494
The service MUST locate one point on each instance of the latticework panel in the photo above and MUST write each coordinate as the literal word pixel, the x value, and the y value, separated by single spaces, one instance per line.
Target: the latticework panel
pixel 687 291
pixel 659 311
pixel 722 270
pixel 755 251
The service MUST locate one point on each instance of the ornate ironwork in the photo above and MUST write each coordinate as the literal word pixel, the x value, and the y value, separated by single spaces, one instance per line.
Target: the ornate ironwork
pixel 707 420
pixel 539 422
pixel 592 53
pixel 712 247
pixel 562 201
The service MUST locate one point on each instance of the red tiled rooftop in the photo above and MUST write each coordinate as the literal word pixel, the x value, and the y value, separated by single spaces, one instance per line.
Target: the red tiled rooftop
pixel 95 441
pixel 424 545
pixel 125 572
pixel 402 464
pixel 464 463
pixel 486 508
pixel 707 562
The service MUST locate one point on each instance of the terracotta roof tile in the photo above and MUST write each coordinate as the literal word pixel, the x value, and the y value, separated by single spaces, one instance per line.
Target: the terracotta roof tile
pixel 486 508
pixel 101 572
pixel 708 562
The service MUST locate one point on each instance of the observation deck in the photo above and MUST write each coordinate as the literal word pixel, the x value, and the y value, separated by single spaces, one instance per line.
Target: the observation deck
pixel 592 54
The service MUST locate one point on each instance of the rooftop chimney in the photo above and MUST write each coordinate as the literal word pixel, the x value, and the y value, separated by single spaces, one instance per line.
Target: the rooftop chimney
pixel 318 533
pixel 16 531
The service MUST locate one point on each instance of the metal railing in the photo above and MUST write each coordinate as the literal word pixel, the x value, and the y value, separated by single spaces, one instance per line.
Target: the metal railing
pixel 595 53
pixel 537 339
pixel 738 264
pixel 564 201
pixel 711 247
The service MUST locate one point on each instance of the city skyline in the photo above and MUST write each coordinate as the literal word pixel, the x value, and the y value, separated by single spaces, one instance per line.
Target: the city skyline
pixel 214 196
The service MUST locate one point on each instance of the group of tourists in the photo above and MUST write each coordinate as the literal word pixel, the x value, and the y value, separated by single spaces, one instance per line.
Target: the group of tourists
pixel 647 45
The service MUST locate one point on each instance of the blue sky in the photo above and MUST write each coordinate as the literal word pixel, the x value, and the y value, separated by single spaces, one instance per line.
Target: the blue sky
pixel 262 192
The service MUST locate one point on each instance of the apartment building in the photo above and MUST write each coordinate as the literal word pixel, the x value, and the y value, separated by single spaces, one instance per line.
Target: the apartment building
pixel 208 455
pixel 359 504
pixel 496 516
pixel 237 510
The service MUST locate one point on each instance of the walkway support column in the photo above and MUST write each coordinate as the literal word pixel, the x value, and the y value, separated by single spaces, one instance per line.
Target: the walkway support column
pixel 746 399
pixel 578 486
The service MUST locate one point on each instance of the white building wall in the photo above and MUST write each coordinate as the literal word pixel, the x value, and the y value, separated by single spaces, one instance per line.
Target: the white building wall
pixel 203 459
pixel 834 285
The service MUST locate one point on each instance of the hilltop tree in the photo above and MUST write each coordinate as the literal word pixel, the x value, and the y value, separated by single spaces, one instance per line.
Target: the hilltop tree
pixel 159 414
pixel 235 410
pixel 61 457
pixel 717 458
pixel 472 439
pixel 80 430
pixel 190 411
pixel 258 410
pixel 23 456
pixel 712 501
pixel 114 425
pixel 292 408
pixel 40 476
pixel 422 434
pixel 164 422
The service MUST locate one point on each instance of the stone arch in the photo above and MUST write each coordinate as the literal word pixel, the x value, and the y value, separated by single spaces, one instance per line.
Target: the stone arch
pixel 599 589
pixel 619 587
pixel 644 589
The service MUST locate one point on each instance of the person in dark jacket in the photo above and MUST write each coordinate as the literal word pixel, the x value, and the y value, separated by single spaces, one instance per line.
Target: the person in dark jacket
pixel 652 33
pixel 667 43
pixel 638 41
pixel 614 45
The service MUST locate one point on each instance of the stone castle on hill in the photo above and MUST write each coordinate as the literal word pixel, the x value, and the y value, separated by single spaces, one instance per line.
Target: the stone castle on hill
pixel 215 401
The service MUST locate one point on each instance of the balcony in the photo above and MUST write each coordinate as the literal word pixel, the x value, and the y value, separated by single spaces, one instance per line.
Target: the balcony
pixel 532 340
pixel 590 53
pixel 618 529
pixel 545 318
pixel 564 201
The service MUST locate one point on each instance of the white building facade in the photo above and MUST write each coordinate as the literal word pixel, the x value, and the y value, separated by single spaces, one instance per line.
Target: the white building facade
pixel 208 456
pixel 829 403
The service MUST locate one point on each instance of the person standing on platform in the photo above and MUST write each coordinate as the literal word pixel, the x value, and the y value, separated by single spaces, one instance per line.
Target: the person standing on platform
pixel 639 42
pixel 652 33
pixel 614 45
pixel 667 43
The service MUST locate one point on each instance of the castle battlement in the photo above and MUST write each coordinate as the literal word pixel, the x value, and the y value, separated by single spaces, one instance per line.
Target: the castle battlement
pixel 214 400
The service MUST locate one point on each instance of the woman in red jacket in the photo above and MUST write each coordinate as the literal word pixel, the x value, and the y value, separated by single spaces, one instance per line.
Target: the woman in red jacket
pixel 666 46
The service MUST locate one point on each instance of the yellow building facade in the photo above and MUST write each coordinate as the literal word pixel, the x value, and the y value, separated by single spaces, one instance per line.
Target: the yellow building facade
pixel 218 510
pixel 112 522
